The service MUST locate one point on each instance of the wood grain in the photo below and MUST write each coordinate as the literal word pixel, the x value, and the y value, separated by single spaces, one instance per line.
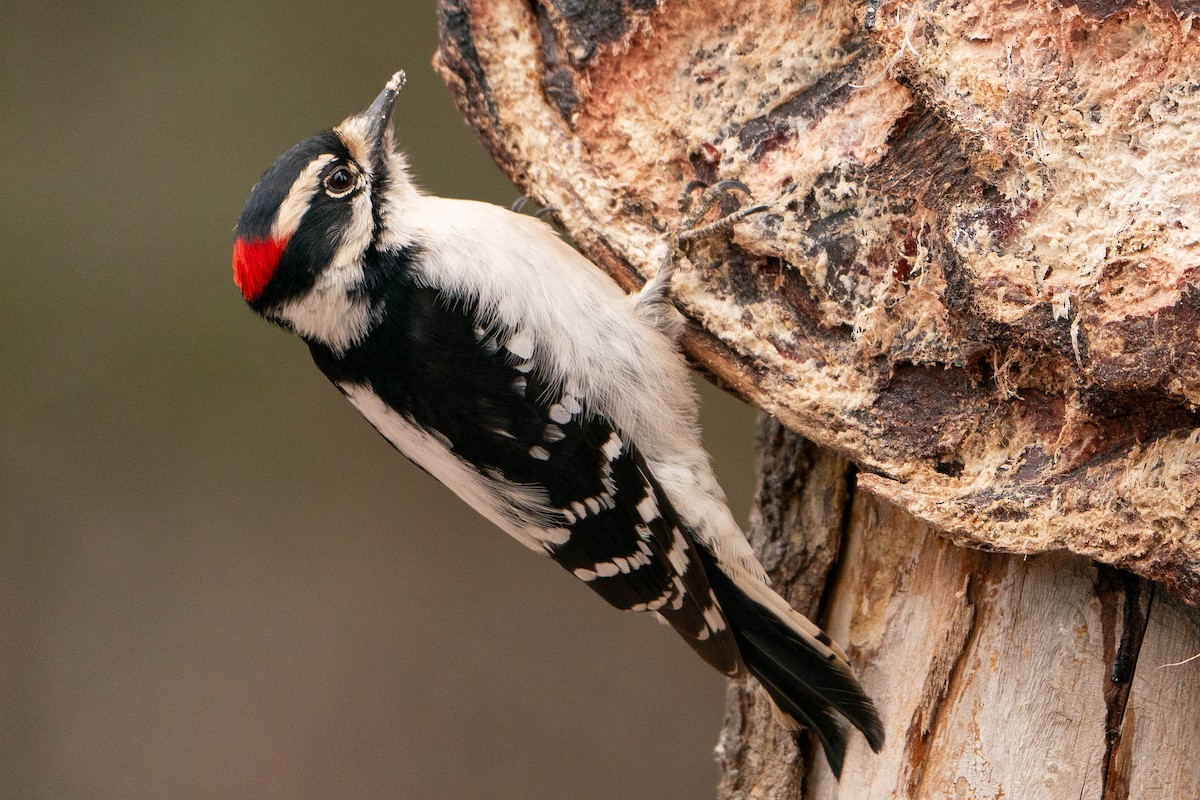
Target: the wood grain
pixel 998 676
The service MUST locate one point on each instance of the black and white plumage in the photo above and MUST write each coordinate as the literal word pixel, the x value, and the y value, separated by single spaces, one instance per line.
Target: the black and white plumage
pixel 503 363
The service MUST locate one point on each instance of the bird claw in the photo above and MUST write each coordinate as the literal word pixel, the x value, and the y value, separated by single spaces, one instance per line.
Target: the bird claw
pixel 518 207
pixel 690 228
pixel 710 196
pixel 685 197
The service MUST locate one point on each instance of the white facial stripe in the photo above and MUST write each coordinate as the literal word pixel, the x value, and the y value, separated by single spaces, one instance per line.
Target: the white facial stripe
pixel 331 311
pixel 287 219
pixel 356 238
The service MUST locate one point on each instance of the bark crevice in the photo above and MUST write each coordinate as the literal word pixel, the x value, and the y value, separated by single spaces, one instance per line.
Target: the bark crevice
pixel 948 664
pixel 1114 589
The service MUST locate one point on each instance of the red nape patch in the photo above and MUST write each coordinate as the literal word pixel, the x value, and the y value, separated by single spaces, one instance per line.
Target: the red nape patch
pixel 254 262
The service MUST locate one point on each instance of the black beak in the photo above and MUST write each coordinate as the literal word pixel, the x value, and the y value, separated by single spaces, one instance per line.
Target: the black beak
pixel 379 115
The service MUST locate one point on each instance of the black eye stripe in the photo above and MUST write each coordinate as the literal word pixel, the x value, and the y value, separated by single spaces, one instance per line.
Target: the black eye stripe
pixel 276 183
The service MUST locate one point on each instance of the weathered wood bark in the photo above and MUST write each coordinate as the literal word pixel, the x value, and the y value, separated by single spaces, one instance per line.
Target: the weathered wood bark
pixel 979 278
pixel 979 282
pixel 999 676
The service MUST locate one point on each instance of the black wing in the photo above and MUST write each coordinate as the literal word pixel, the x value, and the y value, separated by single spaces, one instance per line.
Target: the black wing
pixel 477 387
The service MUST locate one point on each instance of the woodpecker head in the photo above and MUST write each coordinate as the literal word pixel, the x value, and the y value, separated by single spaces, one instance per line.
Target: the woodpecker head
pixel 298 255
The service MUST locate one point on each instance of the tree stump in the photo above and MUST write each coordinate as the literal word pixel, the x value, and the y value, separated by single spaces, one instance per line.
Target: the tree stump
pixel 978 283
pixel 997 675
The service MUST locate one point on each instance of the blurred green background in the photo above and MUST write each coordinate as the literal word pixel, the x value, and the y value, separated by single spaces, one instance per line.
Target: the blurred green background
pixel 215 579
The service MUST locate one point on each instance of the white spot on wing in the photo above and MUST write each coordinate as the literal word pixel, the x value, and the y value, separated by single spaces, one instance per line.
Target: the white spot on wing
pixel 620 564
pixel 648 508
pixel 712 615
pixel 553 536
pixel 653 605
pixel 559 414
pixel 613 447
pixel 677 601
pixel 520 344
pixel 571 404
pixel 678 554
pixel 540 453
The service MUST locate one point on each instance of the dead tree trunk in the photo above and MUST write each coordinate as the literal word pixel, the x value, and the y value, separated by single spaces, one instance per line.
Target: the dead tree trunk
pixel 978 284
pixel 998 675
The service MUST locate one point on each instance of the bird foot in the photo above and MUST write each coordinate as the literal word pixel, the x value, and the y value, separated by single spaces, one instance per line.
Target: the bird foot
pixel 691 228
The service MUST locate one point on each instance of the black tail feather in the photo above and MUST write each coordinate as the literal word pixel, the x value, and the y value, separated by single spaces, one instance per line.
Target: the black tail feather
pixel 808 684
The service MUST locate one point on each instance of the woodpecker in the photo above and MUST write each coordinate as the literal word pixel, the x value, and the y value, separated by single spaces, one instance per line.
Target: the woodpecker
pixel 506 365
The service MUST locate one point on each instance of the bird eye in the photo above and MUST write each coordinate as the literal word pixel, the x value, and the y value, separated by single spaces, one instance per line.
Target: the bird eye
pixel 339 182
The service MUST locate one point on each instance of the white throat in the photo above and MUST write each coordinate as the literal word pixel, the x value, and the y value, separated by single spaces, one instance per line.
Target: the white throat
pixel 335 311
